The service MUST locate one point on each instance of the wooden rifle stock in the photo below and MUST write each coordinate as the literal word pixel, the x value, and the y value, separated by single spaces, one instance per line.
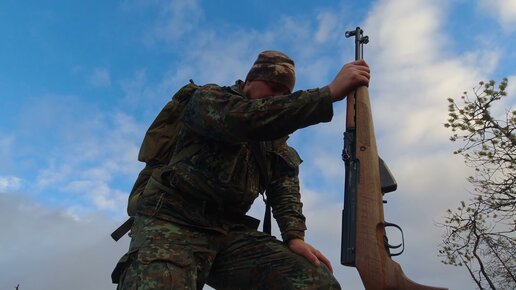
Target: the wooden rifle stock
pixel 364 241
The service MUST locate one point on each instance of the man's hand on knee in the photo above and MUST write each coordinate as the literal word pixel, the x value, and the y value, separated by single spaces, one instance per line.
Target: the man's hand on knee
pixel 306 250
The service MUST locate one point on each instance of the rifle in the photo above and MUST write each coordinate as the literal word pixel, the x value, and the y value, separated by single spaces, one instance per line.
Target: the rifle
pixel 364 243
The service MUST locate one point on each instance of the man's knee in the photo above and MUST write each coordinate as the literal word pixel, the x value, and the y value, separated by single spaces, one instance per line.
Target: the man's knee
pixel 306 278
pixel 318 278
pixel 156 275
pixel 328 281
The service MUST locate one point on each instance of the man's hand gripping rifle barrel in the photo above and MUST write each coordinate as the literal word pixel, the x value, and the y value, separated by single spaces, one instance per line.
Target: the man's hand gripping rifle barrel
pixel 364 240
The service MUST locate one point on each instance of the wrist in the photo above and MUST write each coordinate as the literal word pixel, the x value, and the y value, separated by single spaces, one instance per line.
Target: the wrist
pixel 294 241
pixel 293 234
pixel 335 97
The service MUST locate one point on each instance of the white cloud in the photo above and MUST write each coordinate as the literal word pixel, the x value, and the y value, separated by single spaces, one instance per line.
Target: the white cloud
pixel 6 142
pixel 217 62
pixel 406 34
pixel 86 147
pixel 9 183
pixel 100 194
pixel 134 88
pixel 45 248
pixel 223 58
pixel 51 175
pixel 314 72
pixel 100 78
pixel 413 74
pixel 511 88
pixel 90 169
pixel 327 25
pixel 176 19
pixel 503 11
pixel 6 152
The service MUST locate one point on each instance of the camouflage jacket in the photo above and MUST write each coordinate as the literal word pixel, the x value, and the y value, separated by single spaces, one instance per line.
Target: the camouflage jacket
pixel 213 161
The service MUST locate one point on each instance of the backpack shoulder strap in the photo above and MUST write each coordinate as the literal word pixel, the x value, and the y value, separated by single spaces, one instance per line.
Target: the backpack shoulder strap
pixel 259 155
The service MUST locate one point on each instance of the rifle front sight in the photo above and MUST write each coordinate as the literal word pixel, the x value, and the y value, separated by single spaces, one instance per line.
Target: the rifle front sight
pixel 360 40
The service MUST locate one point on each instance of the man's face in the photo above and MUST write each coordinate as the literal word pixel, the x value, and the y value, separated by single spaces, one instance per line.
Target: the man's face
pixel 260 89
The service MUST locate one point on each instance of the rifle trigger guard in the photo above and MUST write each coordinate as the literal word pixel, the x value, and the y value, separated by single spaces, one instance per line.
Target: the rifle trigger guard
pixel 389 246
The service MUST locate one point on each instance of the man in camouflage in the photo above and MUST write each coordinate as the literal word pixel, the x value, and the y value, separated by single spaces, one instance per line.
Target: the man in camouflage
pixel 191 228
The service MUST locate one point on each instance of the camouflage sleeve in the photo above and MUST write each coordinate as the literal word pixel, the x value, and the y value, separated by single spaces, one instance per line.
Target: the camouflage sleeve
pixel 284 195
pixel 227 116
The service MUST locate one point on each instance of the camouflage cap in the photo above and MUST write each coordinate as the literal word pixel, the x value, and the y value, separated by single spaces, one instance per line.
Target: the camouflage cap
pixel 273 66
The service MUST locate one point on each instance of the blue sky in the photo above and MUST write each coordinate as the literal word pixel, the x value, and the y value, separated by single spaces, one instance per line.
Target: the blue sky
pixel 81 81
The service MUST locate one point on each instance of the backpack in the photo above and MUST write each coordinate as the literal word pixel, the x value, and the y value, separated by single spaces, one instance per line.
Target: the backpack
pixel 160 141
pixel 157 150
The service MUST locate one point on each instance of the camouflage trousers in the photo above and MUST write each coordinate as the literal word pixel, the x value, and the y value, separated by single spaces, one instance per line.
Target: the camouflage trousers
pixel 165 255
